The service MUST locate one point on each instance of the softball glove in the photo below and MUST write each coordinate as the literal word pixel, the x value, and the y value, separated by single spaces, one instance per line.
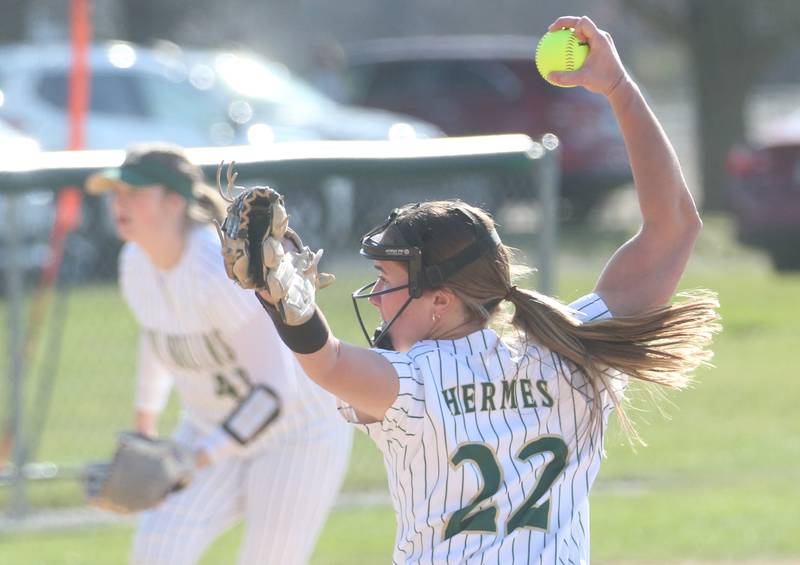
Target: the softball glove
pixel 261 252
pixel 142 473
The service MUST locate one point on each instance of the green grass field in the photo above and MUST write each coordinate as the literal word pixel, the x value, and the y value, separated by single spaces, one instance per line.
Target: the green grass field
pixel 717 481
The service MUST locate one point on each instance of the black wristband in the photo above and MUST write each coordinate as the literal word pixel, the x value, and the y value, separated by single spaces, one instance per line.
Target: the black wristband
pixel 308 337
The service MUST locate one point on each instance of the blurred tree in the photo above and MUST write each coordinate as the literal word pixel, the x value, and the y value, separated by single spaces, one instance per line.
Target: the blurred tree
pixel 13 23
pixel 729 44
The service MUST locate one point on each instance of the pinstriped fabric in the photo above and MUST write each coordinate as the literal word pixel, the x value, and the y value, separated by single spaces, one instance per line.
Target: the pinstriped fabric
pixel 281 494
pixel 476 391
pixel 285 514
pixel 214 340
pixel 182 528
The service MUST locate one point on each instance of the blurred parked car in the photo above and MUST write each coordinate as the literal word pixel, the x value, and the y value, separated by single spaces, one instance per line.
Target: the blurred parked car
pixel 135 95
pixel 765 192
pixel 272 104
pixel 487 85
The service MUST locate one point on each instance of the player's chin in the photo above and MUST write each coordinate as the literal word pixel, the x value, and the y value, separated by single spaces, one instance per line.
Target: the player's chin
pixel 124 229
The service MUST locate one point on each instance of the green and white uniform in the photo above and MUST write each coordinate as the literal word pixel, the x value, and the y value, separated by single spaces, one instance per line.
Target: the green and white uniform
pixel 267 427
pixel 488 453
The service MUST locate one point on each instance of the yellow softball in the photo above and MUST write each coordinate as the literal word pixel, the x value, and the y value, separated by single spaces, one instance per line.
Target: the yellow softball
pixel 560 51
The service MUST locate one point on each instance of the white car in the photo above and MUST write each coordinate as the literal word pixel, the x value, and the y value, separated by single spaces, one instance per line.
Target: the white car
pixel 135 96
pixel 191 98
pixel 270 103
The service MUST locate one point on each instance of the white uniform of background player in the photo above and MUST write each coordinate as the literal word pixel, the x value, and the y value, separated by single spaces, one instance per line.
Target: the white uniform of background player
pixel 270 447
pixel 213 341
pixel 477 397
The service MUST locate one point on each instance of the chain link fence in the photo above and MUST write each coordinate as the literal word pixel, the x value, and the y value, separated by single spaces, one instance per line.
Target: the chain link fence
pixel 71 342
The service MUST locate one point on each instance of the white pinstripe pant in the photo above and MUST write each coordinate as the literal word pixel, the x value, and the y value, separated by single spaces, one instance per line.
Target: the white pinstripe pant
pixel 283 493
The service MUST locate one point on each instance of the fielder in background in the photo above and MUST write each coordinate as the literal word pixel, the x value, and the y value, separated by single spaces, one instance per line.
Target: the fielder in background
pixel 492 441
pixel 259 430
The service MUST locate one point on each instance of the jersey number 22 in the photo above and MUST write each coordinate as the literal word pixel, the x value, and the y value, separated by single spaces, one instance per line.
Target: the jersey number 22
pixel 528 515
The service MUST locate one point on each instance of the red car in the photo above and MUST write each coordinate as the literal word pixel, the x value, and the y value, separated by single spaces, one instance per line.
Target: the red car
pixel 765 193
pixel 470 85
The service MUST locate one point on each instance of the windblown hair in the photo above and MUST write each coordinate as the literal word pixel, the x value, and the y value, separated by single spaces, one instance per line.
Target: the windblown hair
pixel 664 346
pixel 207 207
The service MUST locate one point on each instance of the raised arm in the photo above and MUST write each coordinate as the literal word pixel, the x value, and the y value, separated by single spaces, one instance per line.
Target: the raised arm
pixel 644 272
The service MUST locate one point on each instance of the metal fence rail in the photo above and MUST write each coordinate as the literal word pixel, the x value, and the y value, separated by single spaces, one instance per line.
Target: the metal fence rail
pixel 334 190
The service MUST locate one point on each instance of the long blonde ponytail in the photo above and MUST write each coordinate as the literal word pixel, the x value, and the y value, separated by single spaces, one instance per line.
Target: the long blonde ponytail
pixel 664 346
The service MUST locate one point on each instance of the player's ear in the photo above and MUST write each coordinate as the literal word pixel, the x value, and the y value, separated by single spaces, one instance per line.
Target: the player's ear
pixel 443 299
pixel 174 200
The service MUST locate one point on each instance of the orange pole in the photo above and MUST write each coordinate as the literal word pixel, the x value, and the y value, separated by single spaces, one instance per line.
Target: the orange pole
pixel 68 209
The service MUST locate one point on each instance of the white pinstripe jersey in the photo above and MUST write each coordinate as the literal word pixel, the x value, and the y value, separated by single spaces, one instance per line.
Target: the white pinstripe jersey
pixel 213 341
pixel 482 452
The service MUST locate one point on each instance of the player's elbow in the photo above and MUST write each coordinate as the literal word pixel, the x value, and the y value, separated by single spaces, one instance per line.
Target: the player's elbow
pixel 687 225
pixel 693 225
pixel 678 225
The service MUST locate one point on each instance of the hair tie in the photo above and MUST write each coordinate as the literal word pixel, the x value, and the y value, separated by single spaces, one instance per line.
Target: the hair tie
pixel 511 290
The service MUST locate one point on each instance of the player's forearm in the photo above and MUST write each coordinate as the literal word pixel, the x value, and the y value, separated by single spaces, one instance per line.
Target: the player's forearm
pixel 664 198
pixel 146 422
pixel 358 376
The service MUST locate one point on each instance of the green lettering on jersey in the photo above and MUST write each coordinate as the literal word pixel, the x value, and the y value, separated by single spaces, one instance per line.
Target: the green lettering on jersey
pixel 509 394
pixel 223 387
pixel 468 518
pixel 542 386
pixel 527 393
pixel 468 394
pixel 532 513
pixel 487 405
pixel 452 401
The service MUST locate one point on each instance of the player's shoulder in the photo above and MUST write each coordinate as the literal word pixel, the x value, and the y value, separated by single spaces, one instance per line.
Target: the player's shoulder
pixel 431 356
pixel 203 255
pixel 394 357
pixel 203 270
pixel 404 363
pixel 131 253
pixel 590 307
pixel 132 260
pixel 423 350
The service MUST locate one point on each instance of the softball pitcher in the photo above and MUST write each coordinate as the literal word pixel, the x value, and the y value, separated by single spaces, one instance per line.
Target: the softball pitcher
pixel 492 439
pixel 260 430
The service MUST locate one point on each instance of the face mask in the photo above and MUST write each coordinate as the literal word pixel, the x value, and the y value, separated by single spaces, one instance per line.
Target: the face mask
pixel 380 336
pixel 420 277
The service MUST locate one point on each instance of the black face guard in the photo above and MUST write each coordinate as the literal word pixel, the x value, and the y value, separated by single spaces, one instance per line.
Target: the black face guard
pixel 380 337
pixel 420 277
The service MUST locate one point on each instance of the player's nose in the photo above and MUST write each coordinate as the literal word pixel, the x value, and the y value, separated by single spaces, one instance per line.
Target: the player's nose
pixel 376 300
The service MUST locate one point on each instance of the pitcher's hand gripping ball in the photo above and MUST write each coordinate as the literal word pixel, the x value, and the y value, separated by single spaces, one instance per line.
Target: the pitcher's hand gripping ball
pixel 141 474
pixel 560 51
pixel 257 249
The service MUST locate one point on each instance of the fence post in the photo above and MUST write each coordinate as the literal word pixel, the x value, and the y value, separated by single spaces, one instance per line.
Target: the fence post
pixel 14 291
pixel 547 173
